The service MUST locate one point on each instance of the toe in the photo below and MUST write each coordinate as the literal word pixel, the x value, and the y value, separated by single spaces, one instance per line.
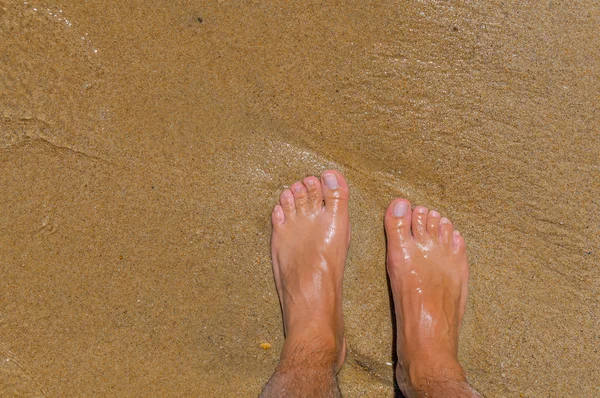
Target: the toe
pixel 446 230
pixel 397 219
pixel 277 217
pixel 315 193
pixel 335 191
pixel 419 224
pixel 300 197
pixel 287 203
pixel 433 224
pixel 458 242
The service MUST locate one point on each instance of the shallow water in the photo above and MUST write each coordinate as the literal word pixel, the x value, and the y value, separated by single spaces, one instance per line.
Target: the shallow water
pixel 141 152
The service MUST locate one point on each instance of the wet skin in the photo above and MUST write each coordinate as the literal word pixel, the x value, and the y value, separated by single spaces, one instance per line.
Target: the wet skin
pixel 311 236
pixel 428 271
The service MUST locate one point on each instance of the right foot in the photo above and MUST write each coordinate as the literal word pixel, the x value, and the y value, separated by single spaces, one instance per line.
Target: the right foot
pixel 311 235
pixel 428 270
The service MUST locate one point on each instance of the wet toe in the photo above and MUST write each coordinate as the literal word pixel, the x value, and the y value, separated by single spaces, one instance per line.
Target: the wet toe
pixel 300 197
pixel 458 242
pixel 397 219
pixel 335 191
pixel 446 230
pixel 277 217
pixel 315 193
pixel 433 224
pixel 286 199
pixel 419 224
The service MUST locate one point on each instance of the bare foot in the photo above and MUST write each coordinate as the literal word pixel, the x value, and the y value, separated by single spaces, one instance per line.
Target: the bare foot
pixel 428 270
pixel 311 235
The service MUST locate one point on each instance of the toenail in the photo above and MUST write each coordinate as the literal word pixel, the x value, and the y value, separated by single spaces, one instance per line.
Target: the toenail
pixel 444 220
pixel 434 213
pixel 456 233
pixel 310 182
pixel 400 209
pixel 421 210
pixel 331 181
pixel 297 188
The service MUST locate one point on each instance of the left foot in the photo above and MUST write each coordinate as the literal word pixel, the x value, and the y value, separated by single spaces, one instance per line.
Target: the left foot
pixel 311 236
pixel 428 270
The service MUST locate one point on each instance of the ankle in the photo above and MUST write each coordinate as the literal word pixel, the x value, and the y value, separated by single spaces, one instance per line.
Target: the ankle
pixel 312 332
pixel 309 350
pixel 427 372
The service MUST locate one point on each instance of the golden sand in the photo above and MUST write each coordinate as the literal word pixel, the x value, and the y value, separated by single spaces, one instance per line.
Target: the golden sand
pixel 144 143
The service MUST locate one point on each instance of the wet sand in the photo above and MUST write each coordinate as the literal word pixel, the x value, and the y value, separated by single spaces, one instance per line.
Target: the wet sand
pixel 142 149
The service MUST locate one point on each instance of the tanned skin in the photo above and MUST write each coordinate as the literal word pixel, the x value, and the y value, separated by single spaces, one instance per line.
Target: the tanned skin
pixel 428 272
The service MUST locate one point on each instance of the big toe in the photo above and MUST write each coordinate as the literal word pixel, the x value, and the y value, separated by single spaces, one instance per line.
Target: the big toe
pixel 397 220
pixel 335 191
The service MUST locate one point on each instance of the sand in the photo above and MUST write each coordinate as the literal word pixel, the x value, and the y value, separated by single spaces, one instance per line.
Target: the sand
pixel 144 143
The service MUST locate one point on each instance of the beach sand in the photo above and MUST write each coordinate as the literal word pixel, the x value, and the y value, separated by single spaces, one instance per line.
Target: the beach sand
pixel 143 145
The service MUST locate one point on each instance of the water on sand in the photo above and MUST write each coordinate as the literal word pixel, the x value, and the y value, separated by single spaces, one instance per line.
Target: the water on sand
pixel 143 145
